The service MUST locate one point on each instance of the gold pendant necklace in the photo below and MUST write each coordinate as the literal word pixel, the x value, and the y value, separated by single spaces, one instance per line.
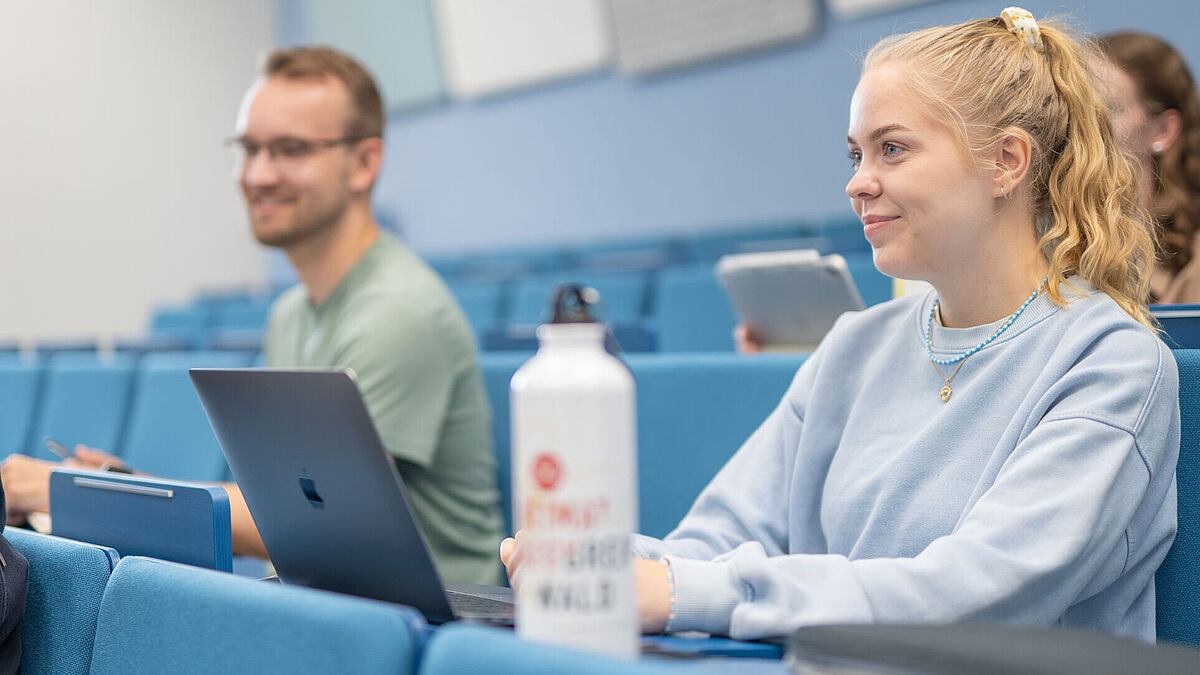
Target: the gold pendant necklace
pixel 962 358
pixel 946 390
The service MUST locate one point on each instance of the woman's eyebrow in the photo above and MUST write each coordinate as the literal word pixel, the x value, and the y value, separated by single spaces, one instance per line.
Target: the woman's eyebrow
pixel 881 131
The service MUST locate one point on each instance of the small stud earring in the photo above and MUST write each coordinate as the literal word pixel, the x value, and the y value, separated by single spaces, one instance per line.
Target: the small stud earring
pixel 1156 146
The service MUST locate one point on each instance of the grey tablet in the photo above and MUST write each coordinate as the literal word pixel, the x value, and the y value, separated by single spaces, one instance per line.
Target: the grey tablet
pixel 788 299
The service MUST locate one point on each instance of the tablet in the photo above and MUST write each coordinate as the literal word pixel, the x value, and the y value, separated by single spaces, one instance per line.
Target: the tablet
pixel 788 299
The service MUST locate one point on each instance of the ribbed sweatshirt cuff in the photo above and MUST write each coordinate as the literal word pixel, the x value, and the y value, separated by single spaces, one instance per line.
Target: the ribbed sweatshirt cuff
pixel 705 596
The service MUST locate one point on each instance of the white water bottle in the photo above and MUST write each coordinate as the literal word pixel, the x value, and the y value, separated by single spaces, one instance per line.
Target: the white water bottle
pixel 574 441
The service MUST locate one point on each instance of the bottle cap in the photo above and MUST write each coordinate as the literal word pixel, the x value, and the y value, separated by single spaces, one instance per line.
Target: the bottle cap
pixel 574 303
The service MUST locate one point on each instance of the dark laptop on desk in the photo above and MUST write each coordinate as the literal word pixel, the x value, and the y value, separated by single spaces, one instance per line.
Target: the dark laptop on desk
pixel 326 495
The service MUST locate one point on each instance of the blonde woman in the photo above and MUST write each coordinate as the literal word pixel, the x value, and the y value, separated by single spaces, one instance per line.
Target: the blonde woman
pixel 1000 449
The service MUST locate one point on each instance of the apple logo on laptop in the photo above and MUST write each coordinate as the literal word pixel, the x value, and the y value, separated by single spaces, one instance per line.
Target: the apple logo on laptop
pixel 310 492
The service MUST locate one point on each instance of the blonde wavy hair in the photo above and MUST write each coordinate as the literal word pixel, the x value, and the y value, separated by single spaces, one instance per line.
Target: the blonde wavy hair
pixel 983 80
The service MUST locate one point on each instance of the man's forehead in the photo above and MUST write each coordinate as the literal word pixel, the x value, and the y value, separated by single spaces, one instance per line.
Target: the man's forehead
pixel 295 106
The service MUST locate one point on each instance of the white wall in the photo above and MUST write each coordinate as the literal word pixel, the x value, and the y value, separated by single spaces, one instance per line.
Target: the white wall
pixel 115 193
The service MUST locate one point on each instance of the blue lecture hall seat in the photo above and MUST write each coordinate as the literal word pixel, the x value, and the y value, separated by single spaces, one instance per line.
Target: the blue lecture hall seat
pixel 693 312
pixel 164 617
pixel 166 519
pixel 248 340
pixel 1177 584
pixel 498 369
pixel 180 323
pixel 168 434
pixel 624 295
pixel 482 302
pixel 711 245
pixel 19 387
pixel 85 398
pixel 698 406
pixel 1180 323
pixel 66 582
pixel 873 285
pixel 631 254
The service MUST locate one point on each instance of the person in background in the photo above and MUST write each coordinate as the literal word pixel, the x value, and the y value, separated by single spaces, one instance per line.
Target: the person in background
pixel 307 154
pixel 999 449
pixel 1156 116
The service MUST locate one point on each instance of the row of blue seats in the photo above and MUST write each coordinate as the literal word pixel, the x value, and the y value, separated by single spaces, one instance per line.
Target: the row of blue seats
pixel 512 287
pixel 147 413
pixel 832 235
pixel 154 616
pixel 144 409
pixel 680 308
pixel 90 610
pixel 684 308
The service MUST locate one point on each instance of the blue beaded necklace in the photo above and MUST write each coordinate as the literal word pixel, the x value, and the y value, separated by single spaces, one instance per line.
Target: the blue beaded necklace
pixel 962 358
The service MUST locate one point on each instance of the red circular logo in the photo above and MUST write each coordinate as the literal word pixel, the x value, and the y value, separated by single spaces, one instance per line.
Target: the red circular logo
pixel 546 470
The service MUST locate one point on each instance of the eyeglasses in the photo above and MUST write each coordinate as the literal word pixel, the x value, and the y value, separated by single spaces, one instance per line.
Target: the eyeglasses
pixel 285 152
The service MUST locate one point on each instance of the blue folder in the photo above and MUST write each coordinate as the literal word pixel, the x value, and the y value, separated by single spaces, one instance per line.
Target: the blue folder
pixel 166 519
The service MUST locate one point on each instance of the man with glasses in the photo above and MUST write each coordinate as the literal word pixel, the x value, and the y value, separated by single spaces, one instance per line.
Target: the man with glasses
pixel 307 153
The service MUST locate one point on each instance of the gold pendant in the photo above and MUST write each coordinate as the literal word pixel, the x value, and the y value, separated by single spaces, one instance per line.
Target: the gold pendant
pixel 946 393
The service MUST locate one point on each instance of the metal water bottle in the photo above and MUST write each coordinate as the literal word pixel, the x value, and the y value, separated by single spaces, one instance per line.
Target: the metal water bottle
pixel 574 468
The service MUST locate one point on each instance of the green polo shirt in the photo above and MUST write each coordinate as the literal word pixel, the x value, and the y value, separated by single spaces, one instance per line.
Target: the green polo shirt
pixel 395 324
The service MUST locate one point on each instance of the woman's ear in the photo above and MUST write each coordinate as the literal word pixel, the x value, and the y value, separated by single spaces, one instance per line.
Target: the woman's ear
pixel 1164 130
pixel 1013 156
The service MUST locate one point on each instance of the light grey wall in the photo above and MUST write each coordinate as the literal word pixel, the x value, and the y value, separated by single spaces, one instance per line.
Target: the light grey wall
pixel 114 188
pixel 761 137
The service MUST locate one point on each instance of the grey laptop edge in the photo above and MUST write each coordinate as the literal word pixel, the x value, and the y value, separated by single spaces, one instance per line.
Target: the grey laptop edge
pixel 325 494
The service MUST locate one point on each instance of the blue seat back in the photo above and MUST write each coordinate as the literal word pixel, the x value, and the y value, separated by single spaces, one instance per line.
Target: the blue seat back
pixel 873 286
pixel 187 323
pixel 163 617
pixel 711 245
pixel 482 302
pixel 694 411
pixel 168 432
pixel 166 519
pixel 624 294
pixel 85 398
pixel 66 583
pixel 498 369
pixel 1177 584
pixel 1180 323
pixel 19 387
pixel 250 313
pixel 693 311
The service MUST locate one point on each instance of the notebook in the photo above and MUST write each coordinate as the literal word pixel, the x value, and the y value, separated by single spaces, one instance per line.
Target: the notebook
pixel 325 494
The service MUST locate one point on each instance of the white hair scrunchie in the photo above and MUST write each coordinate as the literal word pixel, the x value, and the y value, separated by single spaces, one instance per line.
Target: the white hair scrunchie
pixel 1022 24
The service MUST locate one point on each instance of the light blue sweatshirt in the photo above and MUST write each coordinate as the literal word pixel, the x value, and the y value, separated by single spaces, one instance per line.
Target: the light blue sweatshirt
pixel 1042 492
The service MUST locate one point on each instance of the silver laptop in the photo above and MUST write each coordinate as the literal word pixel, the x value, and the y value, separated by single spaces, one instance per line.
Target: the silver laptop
pixel 326 495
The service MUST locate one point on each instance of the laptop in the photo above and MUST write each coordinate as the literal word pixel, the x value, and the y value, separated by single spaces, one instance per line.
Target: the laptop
pixel 325 494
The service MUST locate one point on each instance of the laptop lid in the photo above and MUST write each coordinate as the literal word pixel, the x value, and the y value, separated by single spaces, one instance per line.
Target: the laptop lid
pixel 324 492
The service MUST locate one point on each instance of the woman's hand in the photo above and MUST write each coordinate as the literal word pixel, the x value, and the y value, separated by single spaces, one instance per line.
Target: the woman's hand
pixel 744 341
pixel 652 583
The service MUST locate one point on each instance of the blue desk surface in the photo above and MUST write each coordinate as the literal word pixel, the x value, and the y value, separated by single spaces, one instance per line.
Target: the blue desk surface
pixel 685 646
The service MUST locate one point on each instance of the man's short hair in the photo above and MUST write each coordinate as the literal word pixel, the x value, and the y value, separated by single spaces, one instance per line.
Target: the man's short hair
pixel 366 120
